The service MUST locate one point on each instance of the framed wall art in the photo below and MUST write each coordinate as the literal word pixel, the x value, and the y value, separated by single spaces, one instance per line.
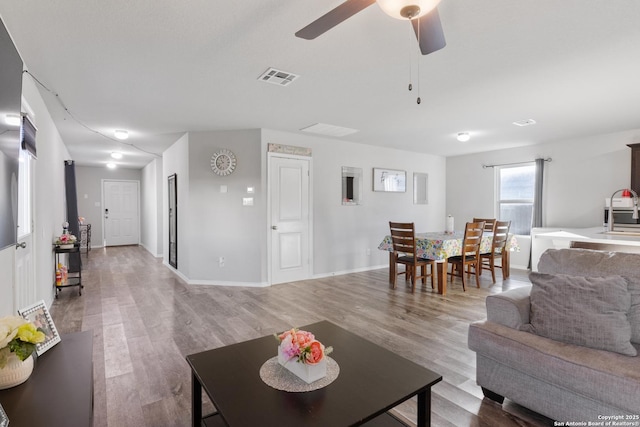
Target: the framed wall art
pixel 40 317
pixel 390 180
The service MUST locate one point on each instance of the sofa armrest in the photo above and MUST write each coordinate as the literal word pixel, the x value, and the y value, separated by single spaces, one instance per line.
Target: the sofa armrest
pixel 510 308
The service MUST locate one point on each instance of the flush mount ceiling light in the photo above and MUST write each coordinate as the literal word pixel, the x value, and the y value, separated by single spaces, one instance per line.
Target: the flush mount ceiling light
pixel 463 136
pixel 12 119
pixel 111 165
pixel 121 134
pixel 407 9
pixel 116 155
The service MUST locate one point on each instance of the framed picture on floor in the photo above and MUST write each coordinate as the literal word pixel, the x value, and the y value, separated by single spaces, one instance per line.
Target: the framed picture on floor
pixel 40 317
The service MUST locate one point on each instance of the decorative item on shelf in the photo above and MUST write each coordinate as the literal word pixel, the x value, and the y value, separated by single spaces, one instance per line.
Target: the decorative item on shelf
pixel 18 339
pixel 65 241
pixel 301 354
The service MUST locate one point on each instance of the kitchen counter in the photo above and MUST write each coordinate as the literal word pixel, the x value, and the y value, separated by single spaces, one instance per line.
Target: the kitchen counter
pixel 547 238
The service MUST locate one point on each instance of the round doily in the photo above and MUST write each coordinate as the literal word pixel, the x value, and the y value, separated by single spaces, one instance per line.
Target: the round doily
pixel 278 377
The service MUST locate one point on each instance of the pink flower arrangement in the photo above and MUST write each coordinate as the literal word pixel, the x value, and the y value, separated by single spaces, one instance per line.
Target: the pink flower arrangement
pixel 302 346
pixel 65 239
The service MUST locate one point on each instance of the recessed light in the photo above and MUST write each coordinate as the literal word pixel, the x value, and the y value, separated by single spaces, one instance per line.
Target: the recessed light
pixel 111 165
pixel 525 122
pixel 121 134
pixel 463 136
pixel 12 119
pixel 116 155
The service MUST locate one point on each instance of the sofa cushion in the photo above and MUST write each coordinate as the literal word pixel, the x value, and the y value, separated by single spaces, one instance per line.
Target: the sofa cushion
pixel 510 308
pixel 586 311
pixel 587 262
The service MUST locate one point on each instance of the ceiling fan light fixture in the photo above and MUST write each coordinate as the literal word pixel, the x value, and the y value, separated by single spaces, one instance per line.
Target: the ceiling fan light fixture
pixel 407 9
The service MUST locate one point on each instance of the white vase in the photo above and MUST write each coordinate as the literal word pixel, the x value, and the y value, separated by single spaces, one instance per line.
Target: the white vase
pixel 307 373
pixel 15 371
pixel 67 246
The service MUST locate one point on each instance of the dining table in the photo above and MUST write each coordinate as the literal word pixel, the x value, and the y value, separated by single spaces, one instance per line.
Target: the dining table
pixel 439 246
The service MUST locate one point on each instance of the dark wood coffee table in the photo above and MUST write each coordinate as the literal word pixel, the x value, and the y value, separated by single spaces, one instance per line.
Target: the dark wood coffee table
pixel 372 380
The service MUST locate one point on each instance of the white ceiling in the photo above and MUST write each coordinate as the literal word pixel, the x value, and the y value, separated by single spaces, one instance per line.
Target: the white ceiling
pixel 159 68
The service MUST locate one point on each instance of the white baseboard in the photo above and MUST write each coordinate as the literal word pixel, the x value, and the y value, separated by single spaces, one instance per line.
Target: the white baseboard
pixel 188 281
pixel 356 270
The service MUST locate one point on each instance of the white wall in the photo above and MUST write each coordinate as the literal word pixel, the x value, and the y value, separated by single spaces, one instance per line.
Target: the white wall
pixel 175 160
pixel 582 173
pixel 346 238
pixel 214 224
pixel 49 204
pixel 151 207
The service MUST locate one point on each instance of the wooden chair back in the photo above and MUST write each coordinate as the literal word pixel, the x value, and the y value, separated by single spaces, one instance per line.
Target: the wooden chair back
pixel 403 237
pixel 472 239
pixel 489 223
pixel 500 236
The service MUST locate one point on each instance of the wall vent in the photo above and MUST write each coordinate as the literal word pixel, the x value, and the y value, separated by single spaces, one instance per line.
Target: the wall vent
pixel 278 77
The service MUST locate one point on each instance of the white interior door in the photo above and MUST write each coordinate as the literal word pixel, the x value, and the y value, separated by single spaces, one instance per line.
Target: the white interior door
pixel 290 221
pixel 121 214
pixel 24 281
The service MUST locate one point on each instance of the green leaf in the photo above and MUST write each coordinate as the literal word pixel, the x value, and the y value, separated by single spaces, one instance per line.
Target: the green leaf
pixel 21 349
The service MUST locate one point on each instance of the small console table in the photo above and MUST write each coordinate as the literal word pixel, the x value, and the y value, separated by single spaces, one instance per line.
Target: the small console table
pixel 59 392
pixel 73 279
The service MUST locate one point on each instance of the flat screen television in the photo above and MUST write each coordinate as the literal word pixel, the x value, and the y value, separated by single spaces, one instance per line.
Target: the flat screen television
pixel 10 103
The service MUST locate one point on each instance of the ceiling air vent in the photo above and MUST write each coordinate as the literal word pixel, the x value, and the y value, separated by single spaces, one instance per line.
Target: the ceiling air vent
pixel 278 77
pixel 525 122
pixel 329 130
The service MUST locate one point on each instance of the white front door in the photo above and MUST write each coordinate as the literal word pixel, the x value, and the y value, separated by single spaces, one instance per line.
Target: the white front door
pixel 290 220
pixel 121 217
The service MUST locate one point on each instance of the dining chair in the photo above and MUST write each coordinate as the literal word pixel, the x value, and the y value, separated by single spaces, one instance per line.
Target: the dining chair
pixel 498 249
pixel 403 237
pixel 470 254
pixel 489 223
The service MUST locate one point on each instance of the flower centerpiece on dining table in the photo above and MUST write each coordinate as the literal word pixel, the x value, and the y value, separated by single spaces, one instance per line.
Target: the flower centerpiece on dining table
pixel 303 355
pixel 18 339
pixel 65 241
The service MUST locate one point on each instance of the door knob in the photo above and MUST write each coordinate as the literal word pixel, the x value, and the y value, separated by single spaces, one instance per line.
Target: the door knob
pixel 22 245
pixel 274 227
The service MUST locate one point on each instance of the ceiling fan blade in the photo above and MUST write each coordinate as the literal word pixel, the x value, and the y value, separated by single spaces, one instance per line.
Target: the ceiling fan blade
pixel 333 18
pixel 430 34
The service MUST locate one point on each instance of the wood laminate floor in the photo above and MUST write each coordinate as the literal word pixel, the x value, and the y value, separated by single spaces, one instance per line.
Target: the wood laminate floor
pixel 145 321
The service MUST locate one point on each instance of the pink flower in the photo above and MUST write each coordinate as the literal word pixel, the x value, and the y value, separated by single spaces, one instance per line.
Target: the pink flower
pixel 301 345
pixel 316 353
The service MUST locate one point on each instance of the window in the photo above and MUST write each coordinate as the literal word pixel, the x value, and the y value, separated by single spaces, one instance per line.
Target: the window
pixel 24 193
pixel 515 191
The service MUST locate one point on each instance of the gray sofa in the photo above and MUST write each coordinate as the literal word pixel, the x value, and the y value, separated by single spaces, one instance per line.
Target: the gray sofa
pixel 521 357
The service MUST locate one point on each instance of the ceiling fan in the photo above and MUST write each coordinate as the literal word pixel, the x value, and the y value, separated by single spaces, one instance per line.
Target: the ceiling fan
pixel 423 15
